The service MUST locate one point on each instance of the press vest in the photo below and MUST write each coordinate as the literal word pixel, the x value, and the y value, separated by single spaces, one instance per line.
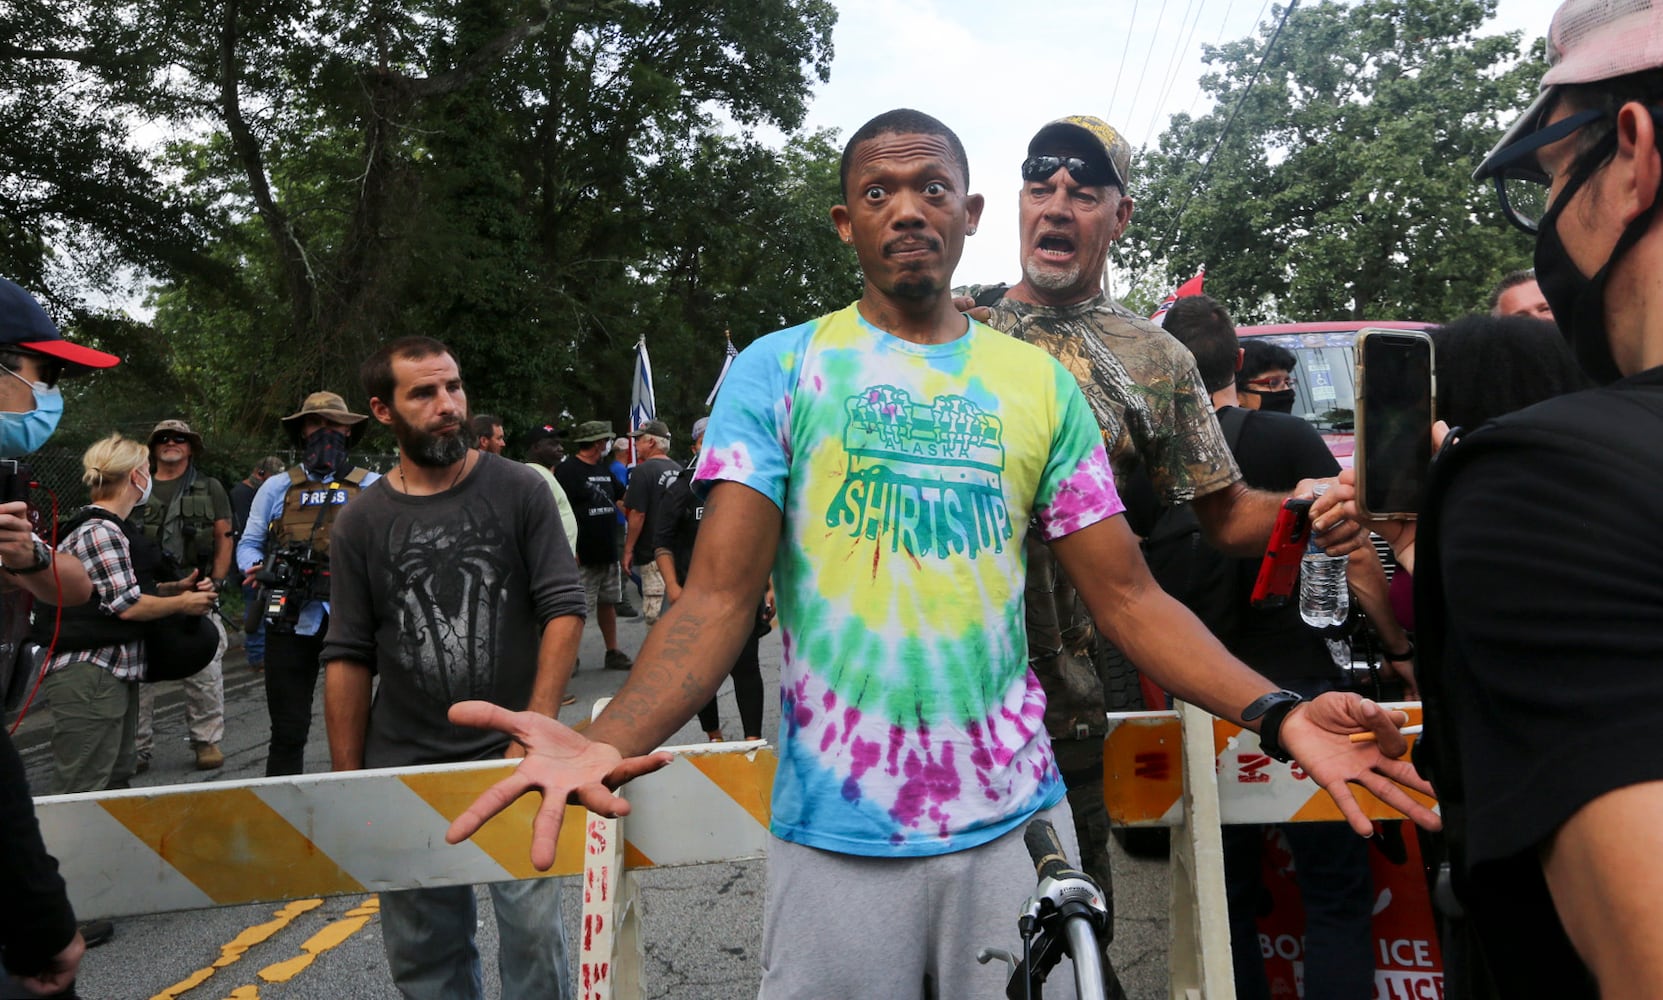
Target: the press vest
pixel 310 508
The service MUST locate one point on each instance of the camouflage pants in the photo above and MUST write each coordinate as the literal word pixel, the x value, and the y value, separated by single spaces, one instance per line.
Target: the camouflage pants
pixel 1064 652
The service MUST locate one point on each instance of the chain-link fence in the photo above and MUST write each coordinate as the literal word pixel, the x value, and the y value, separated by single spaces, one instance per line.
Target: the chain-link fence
pixel 58 473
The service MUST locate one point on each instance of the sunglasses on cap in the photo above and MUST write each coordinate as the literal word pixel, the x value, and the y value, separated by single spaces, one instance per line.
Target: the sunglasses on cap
pixel 170 439
pixel 1084 172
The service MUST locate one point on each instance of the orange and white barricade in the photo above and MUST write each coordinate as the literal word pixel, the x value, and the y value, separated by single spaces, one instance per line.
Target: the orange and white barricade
pixel 155 850
pixel 1192 772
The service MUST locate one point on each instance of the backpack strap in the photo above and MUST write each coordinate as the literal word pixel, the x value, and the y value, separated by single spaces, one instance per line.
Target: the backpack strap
pixel 1233 420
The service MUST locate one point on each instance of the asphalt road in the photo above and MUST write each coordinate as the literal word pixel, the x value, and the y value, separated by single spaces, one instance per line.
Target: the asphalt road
pixel 702 924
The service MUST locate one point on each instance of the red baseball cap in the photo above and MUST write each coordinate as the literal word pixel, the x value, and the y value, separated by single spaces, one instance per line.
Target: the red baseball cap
pixel 24 324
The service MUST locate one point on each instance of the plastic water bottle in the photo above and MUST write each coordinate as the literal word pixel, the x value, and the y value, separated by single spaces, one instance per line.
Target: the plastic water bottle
pixel 1323 598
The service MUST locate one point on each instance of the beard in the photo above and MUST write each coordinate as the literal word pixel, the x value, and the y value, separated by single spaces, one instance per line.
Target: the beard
pixel 916 287
pixel 432 451
pixel 1051 277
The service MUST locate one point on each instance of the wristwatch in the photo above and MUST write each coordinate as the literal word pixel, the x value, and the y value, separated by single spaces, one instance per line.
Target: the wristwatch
pixel 43 559
pixel 1273 708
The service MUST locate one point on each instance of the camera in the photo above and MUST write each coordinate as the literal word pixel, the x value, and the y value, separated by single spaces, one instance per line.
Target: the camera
pixel 293 574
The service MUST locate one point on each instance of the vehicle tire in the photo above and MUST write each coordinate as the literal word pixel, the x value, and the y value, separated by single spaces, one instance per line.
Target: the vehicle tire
pixel 1123 692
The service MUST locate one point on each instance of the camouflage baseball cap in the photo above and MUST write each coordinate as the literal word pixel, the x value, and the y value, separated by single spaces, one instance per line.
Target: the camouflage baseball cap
pixel 1096 133
pixel 592 430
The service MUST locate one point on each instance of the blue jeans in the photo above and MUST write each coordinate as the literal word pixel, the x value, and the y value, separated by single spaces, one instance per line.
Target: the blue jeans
pixel 255 643
pixel 1331 864
pixel 428 935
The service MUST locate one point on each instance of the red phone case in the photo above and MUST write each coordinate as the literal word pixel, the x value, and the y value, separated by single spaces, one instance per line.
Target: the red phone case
pixel 1283 554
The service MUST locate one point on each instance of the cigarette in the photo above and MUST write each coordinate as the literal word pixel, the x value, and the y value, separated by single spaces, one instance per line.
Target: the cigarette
pixel 1369 737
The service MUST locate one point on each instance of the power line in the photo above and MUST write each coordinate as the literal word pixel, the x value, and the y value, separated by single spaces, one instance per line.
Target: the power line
pixel 1144 73
pixel 1221 28
pixel 1173 64
pixel 1130 23
pixel 1177 220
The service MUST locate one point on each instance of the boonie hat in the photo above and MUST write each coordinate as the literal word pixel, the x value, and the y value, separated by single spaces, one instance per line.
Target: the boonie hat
pixel 331 407
pixel 1589 41
pixel 24 324
pixel 657 428
pixel 1097 133
pixel 592 430
pixel 177 427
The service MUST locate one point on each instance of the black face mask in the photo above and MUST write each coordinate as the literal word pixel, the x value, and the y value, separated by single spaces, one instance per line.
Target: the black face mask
pixel 1578 302
pixel 1280 401
pixel 325 453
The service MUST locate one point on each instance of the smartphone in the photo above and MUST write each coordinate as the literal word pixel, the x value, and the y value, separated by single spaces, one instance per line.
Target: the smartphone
pixel 1395 408
pixel 1283 554
pixel 14 480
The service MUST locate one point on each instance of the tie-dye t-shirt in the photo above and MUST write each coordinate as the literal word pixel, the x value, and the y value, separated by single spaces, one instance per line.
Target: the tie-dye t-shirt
pixel 907 474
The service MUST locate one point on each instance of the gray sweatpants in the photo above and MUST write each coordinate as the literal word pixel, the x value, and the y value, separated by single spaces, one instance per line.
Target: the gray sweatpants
pixel 842 925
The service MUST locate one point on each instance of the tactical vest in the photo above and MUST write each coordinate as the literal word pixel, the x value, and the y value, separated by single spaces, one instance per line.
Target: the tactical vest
pixel 192 508
pixel 310 508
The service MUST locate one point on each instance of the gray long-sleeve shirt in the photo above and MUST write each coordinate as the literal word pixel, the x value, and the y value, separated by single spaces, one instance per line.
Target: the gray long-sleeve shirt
pixel 446 597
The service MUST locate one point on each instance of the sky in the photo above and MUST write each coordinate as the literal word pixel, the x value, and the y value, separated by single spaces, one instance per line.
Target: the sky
pixel 994 71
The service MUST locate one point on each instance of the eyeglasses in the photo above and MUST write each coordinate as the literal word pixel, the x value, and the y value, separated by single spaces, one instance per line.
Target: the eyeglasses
pixel 170 439
pixel 1039 168
pixel 1521 183
pixel 1273 384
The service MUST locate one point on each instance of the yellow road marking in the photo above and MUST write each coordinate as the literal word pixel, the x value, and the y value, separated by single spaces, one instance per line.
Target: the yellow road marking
pixel 229 954
pixel 329 937
pixel 245 993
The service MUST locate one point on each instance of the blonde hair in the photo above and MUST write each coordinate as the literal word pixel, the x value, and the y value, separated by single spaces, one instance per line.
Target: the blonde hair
pixel 107 465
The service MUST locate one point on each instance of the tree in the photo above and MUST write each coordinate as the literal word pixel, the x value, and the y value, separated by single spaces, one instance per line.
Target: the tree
pixel 500 173
pixel 1343 188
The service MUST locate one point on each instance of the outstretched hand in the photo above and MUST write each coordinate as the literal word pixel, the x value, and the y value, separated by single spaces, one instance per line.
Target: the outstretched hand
pixel 1318 734
pixel 560 764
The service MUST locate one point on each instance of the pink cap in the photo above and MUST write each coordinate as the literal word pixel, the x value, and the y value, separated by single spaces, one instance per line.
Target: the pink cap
pixel 1599 39
pixel 1589 41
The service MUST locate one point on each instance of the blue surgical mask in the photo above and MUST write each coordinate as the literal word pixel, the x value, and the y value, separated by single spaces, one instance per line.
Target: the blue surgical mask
pixel 149 485
pixel 26 433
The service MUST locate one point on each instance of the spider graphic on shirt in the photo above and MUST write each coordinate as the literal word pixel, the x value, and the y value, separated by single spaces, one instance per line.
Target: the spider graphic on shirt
pixel 447 584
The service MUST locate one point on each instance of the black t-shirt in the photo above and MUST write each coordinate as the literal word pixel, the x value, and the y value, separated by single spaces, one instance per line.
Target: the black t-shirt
pixel 36 921
pixel 447 596
pixel 676 522
pixel 1540 610
pixel 593 493
pixel 1276 451
pixel 1551 553
pixel 646 488
pixel 242 501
